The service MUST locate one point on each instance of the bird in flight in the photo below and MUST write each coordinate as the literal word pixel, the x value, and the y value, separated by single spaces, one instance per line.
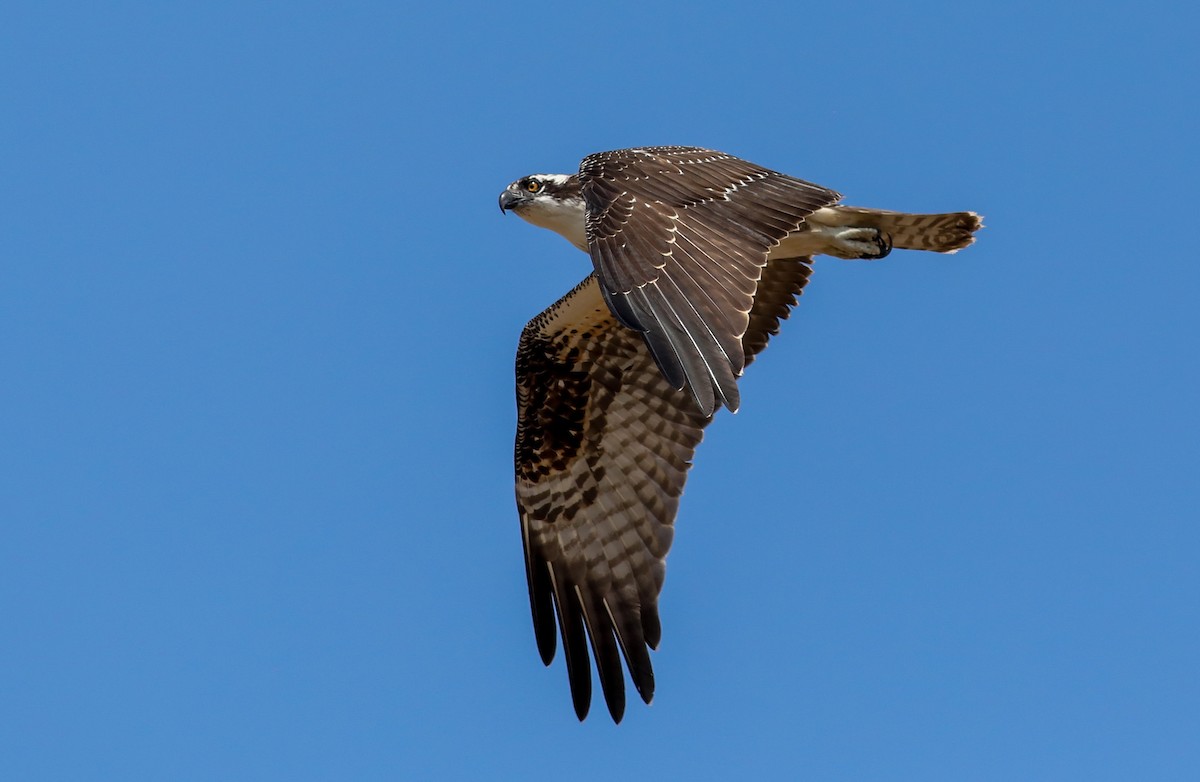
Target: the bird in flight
pixel 697 258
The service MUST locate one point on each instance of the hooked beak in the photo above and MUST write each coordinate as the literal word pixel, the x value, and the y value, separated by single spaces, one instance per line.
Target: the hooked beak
pixel 511 200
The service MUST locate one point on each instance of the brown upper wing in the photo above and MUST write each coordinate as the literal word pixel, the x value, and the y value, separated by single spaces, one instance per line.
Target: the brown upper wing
pixel 679 237
pixel 603 447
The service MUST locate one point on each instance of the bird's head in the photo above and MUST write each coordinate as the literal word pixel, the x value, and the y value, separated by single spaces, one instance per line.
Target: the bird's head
pixel 553 201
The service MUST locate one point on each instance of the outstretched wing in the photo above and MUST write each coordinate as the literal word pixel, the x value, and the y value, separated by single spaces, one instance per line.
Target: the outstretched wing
pixel 678 237
pixel 603 447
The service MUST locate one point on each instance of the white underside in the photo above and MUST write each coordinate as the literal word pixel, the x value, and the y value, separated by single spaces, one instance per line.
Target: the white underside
pixel 565 218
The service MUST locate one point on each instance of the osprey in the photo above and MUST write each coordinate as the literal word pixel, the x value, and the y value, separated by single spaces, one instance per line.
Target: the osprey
pixel 697 256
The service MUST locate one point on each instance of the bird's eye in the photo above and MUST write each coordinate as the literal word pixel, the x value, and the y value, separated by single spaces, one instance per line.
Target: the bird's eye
pixel 533 185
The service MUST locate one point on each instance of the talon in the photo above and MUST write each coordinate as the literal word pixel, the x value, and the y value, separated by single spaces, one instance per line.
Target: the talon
pixel 884 243
pixel 864 243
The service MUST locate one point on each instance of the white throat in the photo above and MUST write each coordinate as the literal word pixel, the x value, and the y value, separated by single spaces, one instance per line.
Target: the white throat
pixel 566 217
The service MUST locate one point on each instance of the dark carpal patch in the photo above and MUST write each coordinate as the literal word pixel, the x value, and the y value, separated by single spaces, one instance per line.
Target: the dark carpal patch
pixel 556 396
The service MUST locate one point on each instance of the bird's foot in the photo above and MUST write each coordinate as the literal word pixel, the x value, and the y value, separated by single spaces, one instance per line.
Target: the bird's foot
pixel 869 244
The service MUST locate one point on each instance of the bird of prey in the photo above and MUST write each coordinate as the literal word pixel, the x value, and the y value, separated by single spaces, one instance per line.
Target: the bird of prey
pixel 697 257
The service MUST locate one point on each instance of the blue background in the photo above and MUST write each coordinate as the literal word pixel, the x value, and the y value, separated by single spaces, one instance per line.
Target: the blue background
pixel 258 311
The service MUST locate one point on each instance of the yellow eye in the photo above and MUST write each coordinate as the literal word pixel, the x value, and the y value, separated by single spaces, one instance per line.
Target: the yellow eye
pixel 533 185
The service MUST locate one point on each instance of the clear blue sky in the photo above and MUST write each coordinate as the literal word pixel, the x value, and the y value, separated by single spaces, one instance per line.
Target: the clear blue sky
pixel 258 312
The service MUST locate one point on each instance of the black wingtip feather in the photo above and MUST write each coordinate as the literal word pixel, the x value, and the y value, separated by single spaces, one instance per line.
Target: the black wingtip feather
pixel 651 625
pixel 608 660
pixel 633 646
pixel 575 653
pixel 541 601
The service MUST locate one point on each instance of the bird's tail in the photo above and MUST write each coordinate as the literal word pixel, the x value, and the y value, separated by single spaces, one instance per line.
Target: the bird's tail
pixel 939 233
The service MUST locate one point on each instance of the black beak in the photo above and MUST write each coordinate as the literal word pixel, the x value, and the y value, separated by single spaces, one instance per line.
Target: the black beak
pixel 510 200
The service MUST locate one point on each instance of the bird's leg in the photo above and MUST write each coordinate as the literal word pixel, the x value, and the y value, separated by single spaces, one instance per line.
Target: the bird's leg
pixel 829 232
pixel 850 243
pixel 847 233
